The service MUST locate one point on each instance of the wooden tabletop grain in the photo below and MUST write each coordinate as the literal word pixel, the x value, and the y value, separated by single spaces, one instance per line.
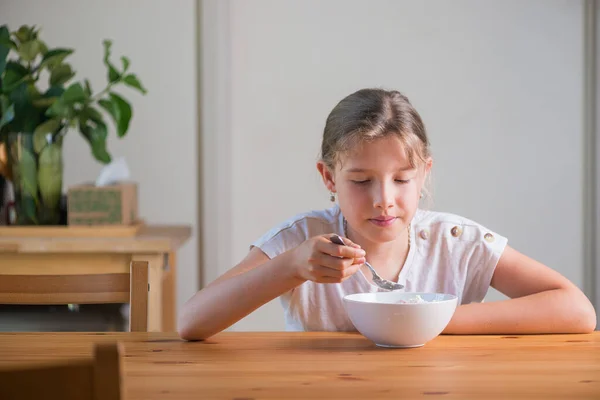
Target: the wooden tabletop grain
pixel 150 239
pixel 278 365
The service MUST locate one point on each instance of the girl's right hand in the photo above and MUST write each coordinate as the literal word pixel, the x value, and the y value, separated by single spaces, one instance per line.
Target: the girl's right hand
pixel 320 260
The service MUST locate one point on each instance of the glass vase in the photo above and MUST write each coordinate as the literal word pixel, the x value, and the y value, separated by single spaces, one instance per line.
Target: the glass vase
pixel 37 175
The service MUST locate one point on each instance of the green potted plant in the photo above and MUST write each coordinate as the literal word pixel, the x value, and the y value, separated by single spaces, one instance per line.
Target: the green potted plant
pixel 39 104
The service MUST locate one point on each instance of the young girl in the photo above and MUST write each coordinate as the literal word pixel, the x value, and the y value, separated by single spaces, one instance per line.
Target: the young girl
pixel 376 158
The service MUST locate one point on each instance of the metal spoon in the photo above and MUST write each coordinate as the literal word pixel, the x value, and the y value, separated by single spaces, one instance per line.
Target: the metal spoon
pixel 379 281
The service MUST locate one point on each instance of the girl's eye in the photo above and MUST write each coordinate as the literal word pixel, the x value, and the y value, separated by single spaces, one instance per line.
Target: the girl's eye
pixel 365 181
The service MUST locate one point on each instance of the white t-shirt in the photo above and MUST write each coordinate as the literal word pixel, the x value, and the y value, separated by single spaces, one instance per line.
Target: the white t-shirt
pixel 449 254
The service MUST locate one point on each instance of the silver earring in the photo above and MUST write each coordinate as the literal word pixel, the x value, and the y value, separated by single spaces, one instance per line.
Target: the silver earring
pixel 421 196
pixel 332 197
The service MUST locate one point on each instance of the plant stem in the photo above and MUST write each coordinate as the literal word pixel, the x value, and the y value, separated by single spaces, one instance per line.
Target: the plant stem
pixel 102 93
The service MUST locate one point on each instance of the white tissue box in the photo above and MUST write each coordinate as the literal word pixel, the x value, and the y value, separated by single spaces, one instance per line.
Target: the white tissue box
pixel 114 204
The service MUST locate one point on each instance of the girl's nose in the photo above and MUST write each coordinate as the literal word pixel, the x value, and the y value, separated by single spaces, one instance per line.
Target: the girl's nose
pixel 383 198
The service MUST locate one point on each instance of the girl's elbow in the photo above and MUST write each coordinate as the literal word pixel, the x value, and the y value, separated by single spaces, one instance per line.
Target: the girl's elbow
pixel 590 320
pixel 192 333
pixel 186 333
pixel 190 336
pixel 585 317
pixel 196 327
pixel 187 328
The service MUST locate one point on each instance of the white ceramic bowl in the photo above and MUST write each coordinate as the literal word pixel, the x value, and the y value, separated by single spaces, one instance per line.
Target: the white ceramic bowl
pixel 383 319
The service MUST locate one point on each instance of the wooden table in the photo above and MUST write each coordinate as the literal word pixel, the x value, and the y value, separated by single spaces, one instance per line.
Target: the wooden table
pixel 105 255
pixel 236 365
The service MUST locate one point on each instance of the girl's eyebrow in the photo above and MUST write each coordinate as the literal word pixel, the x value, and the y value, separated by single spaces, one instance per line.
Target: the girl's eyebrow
pixel 409 168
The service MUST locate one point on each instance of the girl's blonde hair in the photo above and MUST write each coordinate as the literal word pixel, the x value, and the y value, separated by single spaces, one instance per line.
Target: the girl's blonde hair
pixel 369 114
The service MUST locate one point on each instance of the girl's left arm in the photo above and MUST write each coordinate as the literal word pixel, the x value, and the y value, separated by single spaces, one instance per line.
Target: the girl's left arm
pixel 541 301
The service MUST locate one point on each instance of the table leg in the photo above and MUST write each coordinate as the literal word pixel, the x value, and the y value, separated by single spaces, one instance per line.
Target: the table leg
pixel 169 299
pixel 155 291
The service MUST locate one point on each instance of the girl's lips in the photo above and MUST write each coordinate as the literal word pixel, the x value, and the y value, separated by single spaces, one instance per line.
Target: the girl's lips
pixel 387 221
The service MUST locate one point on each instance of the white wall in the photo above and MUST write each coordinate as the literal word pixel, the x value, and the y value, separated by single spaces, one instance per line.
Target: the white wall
pixel 594 121
pixel 161 146
pixel 498 83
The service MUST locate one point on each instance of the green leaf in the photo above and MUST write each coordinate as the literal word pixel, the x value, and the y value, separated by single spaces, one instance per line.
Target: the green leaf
pixel 125 62
pixel 18 96
pixel 14 75
pixel 113 74
pixel 50 175
pixel 4 47
pixel 50 126
pixel 120 111
pixel 74 94
pixel 28 213
pixel 10 44
pixel 124 113
pixel 54 91
pixel 27 116
pixel 44 102
pixel 61 74
pixel 107 44
pixel 28 169
pixel 88 88
pixel 93 114
pixel 132 81
pixel 43 47
pixel 32 91
pixel 30 50
pixel 41 133
pixel 25 33
pixel 63 106
pixel 59 109
pixel 34 32
pixel 108 106
pixel 5 38
pixel 7 116
pixel 95 132
pixel 4 104
pixel 48 98
pixel 54 58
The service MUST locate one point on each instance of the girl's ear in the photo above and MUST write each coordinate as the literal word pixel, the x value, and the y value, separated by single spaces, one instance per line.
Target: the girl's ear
pixel 327 175
pixel 428 165
pixel 426 173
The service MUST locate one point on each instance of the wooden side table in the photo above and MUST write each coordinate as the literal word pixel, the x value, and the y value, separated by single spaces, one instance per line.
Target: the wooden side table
pixel 97 255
